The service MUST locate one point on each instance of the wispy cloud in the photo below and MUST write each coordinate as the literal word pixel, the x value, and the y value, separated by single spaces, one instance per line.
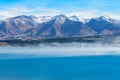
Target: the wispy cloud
pixel 81 8
pixel 8 12
pixel 12 11
pixel 38 11
pixel 95 13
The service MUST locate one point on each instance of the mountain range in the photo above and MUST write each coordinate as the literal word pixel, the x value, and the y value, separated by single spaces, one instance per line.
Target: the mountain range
pixel 60 26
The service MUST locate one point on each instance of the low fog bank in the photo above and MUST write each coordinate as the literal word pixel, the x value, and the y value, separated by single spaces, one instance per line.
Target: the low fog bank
pixel 62 50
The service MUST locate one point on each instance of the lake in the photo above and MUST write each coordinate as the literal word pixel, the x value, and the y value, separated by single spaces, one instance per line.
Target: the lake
pixel 61 68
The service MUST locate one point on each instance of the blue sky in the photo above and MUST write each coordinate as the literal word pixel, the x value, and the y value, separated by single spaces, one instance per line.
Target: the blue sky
pixel 81 8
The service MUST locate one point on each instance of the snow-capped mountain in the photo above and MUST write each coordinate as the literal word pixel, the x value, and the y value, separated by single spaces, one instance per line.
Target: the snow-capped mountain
pixel 109 19
pixel 19 25
pixel 74 18
pixel 57 26
pixel 62 26
pixel 104 25
pixel 42 19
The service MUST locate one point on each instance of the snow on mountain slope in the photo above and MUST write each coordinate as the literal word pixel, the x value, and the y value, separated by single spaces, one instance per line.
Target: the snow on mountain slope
pixel 74 18
pixel 60 19
pixel 109 19
pixel 42 19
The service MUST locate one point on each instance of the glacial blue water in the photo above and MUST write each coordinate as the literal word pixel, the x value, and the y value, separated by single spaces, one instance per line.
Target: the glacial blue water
pixel 61 68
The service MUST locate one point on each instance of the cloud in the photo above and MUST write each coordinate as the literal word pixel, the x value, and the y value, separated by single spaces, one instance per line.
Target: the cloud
pixel 85 14
pixel 94 13
pixel 40 11
pixel 15 11
pixel 12 11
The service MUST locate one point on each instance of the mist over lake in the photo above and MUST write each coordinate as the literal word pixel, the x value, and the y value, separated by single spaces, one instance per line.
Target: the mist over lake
pixel 61 50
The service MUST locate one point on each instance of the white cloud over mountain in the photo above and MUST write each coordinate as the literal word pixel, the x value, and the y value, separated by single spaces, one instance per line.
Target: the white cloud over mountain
pixel 8 12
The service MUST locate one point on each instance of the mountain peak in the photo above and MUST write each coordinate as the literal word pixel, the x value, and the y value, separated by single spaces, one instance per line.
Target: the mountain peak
pixel 106 18
pixel 43 19
pixel 74 18
pixel 109 19
pixel 21 16
pixel 60 18
pixel 103 18
pixel 32 16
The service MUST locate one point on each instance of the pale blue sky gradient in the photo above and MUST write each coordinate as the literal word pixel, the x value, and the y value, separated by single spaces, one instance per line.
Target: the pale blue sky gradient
pixel 84 8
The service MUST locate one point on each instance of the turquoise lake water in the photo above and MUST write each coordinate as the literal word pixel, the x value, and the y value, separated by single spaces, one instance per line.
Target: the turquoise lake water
pixel 64 68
